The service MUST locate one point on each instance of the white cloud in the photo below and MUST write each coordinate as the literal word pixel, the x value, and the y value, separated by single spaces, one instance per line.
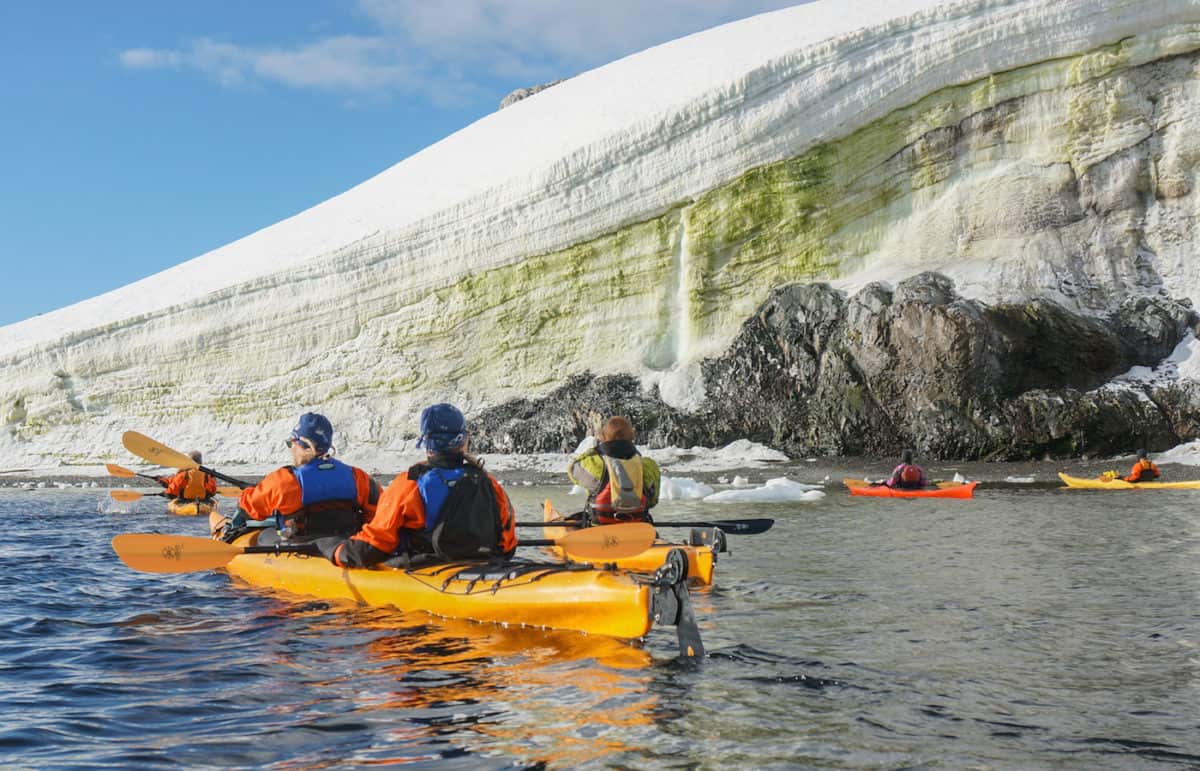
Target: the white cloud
pixel 447 48
pixel 149 59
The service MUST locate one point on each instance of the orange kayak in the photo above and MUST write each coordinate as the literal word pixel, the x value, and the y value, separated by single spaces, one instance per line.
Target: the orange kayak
pixel 943 490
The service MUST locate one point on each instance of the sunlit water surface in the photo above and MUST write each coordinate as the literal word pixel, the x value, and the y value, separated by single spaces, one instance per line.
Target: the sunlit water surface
pixel 1031 627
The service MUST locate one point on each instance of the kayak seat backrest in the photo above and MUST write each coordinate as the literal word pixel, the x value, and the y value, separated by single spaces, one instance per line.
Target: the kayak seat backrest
pixel 713 537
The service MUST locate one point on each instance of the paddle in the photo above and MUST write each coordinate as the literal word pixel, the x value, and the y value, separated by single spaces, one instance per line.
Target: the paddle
pixel 738 526
pixel 134 495
pixel 14 470
pixel 153 553
pixel 124 473
pixel 730 526
pixel 151 451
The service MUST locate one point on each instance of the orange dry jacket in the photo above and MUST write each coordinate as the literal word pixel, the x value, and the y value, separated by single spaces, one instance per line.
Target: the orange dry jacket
pixel 401 508
pixel 191 484
pixel 1142 469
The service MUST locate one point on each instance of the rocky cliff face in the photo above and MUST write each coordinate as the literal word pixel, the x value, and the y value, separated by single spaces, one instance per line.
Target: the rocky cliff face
pixel 816 371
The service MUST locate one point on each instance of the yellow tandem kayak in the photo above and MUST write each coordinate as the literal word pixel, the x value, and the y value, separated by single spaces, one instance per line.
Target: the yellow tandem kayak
pixel 1120 484
pixel 582 598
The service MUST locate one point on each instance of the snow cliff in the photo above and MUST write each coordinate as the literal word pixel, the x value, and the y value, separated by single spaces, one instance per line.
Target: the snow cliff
pixel 628 220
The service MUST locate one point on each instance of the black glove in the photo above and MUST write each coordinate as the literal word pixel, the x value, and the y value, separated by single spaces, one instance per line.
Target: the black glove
pixel 329 546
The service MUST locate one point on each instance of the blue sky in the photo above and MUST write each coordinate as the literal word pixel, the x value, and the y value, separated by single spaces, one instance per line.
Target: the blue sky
pixel 137 134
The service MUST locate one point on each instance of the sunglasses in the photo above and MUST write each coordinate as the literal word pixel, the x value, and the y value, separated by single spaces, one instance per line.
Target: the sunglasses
pixel 303 444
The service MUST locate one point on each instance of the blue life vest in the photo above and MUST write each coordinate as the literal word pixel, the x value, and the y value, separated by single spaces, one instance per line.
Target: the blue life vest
pixel 326 479
pixel 434 485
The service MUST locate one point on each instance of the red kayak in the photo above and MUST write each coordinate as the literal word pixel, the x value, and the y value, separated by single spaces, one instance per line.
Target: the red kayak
pixel 942 490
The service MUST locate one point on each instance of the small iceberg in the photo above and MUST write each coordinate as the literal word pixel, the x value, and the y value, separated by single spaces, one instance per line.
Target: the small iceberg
pixel 683 489
pixel 779 489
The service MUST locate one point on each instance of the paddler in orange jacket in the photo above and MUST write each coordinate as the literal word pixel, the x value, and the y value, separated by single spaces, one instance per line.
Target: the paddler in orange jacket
pixel 190 484
pixel 316 495
pixel 1143 469
pixel 448 506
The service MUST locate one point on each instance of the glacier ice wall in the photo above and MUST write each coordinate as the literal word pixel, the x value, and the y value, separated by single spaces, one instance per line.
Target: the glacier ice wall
pixel 629 219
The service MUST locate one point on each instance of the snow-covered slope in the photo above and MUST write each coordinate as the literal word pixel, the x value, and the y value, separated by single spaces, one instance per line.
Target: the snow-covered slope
pixel 628 219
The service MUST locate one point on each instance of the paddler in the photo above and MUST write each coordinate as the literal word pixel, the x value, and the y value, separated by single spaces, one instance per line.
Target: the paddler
pixel 317 495
pixel 1144 469
pixel 907 475
pixel 622 484
pixel 190 484
pixel 445 508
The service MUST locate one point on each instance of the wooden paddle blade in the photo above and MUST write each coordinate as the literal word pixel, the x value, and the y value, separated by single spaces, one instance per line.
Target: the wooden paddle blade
pixel 152 452
pixel 125 495
pixel 608 542
pixel 229 492
pixel 153 553
pixel 120 471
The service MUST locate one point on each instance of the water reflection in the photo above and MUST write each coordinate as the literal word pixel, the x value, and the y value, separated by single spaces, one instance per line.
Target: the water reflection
pixel 560 698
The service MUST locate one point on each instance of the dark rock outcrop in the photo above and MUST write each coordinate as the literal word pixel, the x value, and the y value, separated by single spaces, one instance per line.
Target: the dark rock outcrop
pixel 517 95
pixel 817 372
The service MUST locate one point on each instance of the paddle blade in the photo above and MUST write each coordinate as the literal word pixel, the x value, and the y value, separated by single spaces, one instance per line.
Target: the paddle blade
pixel 229 492
pixel 608 542
pixel 120 471
pixel 151 451
pixel 153 553
pixel 125 495
pixel 736 526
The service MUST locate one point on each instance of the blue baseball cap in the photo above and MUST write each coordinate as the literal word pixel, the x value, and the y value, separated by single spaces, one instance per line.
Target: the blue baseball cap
pixel 315 428
pixel 443 427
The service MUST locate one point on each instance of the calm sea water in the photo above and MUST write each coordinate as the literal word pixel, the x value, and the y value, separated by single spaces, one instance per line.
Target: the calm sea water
pixel 1029 628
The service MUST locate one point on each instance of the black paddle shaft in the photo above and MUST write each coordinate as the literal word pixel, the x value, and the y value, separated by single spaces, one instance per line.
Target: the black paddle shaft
pixel 730 526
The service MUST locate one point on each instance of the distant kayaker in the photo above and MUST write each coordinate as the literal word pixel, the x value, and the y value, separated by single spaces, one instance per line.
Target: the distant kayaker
pixel 445 508
pixel 622 485
pixel 908 475
pixel 1143 469
pixel 316 495
pixel 190 484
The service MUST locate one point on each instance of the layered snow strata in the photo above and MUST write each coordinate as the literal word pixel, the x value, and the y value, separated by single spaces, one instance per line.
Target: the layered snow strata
pixel 630 219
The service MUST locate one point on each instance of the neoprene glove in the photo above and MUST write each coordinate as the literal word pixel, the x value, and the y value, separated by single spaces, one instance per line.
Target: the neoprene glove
pixel 328 547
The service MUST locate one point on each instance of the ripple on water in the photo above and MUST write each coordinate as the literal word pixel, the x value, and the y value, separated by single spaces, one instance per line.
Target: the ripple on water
pixel 1027 628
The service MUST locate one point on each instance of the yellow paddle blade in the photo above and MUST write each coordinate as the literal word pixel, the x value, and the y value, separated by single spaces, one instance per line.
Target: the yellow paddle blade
pixel 151 451
pixel 120 471
pixel 125 495
pixel 153 553
pixel 608 542
pixel 230 492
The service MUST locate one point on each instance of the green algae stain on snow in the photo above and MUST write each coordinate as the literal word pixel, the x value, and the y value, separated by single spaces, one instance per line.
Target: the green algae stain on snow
pixel 676 287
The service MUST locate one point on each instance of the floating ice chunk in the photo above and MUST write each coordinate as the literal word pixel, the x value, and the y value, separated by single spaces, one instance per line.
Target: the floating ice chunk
pixel 683 489
pixel 779 489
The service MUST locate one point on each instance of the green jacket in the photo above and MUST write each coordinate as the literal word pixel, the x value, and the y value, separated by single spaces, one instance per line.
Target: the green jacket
pixel 587 470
